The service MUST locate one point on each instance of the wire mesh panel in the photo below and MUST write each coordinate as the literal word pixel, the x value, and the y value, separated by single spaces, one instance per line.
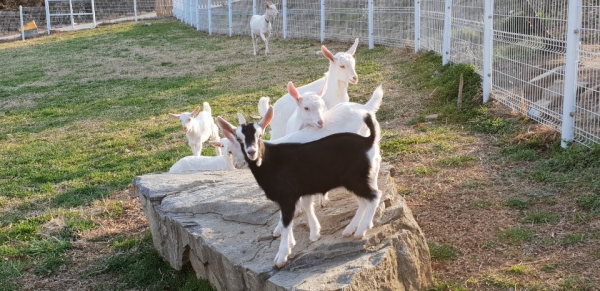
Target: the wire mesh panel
pixel 587 108
pixel 109 10
pixel 432 25
pixel 220 17
pixel 393 22
pixel 242 12
pixel 202 15
pixel 61 12
pixel 10 21
pixel 304 18
pixel 346 20
pixel 529 57
pixel 466 37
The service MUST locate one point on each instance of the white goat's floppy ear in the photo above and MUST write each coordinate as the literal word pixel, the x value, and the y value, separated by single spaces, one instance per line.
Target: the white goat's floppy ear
pixel 327 54
pixel 174 115
pixel 293 92
pixel 267 119
pixel 323 88
pixel 227 129
pixel 196 111
pixel 352 49
pixel 215 143
pixel 241 119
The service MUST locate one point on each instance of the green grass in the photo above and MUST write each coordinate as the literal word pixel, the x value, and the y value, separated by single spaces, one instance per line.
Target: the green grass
pixel 81 114
pixel 442 252
pixel 541 217
pixel 519 204
pixel 516 235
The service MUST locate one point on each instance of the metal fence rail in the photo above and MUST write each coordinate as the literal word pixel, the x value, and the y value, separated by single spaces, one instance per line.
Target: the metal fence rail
pixel 539 58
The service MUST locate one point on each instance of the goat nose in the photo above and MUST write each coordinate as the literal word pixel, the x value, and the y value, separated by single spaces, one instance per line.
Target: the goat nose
pixel 355 78
pixel 320 123
pixel 251 152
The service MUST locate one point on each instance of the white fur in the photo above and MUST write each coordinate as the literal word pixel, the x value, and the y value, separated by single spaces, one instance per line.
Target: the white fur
pixel 223 162
pixel 341 73
pixel 198 129
pixel 309 110
pixel 260 25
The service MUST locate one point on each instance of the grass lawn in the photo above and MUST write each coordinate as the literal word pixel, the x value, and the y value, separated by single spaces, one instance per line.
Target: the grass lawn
pixel 82 113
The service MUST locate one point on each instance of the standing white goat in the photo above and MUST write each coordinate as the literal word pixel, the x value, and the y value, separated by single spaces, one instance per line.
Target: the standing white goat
pixel 341 73
pixel 199 129
pixel 193 164
pixel 260 25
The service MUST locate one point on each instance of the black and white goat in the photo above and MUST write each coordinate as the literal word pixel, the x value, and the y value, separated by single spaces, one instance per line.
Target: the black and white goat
pixel 289 171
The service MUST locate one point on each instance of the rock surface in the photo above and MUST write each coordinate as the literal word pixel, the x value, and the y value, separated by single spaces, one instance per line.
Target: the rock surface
pixel 221 224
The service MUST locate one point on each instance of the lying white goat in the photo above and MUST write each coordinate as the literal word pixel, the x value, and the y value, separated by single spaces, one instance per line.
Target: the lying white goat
pixel 260 25
pixel 198 129
pixel 192 164
pixel 341 73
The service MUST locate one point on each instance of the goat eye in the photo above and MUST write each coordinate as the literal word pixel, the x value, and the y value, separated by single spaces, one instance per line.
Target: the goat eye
pixel 342 66
pixel 306 108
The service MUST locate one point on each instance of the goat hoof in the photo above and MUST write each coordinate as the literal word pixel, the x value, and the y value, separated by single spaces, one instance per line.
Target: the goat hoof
pixel 315 237
pixel 325 201
pixel 281 260
pixel 358 236
pixel 345 234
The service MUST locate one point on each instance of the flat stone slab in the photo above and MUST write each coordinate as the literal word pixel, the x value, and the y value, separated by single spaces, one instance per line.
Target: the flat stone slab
pixel 221 223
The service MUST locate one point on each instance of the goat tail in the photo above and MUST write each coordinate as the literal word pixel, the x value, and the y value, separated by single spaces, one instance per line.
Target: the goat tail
pixel 373 104
pixel 263 106
pixel 374 130
pixel 206 107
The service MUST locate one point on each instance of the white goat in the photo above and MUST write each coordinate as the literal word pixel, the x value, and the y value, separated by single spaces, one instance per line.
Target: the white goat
pixel 309 110
pixel 260 25
pixel 198 129
pixel 288 171
pixel 341 73
pixel 192 164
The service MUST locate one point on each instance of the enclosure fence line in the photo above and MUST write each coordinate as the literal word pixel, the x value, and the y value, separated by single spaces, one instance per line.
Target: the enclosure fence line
pixel 539 58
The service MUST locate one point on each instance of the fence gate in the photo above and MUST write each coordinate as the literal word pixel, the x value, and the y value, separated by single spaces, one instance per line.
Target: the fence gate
pixel 61 12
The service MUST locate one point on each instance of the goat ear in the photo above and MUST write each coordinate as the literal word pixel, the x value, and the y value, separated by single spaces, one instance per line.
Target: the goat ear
pixel 174 115
pixel 214 143
pixel 227 129
pixel 196 111
pixel 352 49
pixel 267 119
pixel 293 92
pixel 327 53
pixel 241 119
pixel 323 88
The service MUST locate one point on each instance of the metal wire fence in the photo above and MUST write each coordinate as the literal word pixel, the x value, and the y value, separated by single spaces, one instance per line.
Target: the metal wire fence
pixel 539 58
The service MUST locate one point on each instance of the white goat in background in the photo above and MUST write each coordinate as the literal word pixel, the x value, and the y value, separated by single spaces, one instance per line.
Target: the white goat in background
pixel 341 73
pixel 199 129
pixel 260 25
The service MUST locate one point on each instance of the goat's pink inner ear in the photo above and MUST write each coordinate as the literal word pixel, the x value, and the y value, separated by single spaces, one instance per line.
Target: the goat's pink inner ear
pixel 323 88
pixel 196 111
pixel 327 53
pixel 174 115
pixel 267 119
pixel 352 49
pixel 293 92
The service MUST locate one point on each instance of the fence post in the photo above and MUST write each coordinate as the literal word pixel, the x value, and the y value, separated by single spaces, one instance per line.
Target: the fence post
pixel 209 12
pixel 417 25
pixel 135 10
pixel 447 32
pixel 322 21
pixel 571 68
pixel 488 48
pixel 94 14
pixel 71 11
pixel 284 3
pixel 371 36
pixel 254 7
pixel 230 17
pixel 197 15
pixel 22 25
pixel 48 16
